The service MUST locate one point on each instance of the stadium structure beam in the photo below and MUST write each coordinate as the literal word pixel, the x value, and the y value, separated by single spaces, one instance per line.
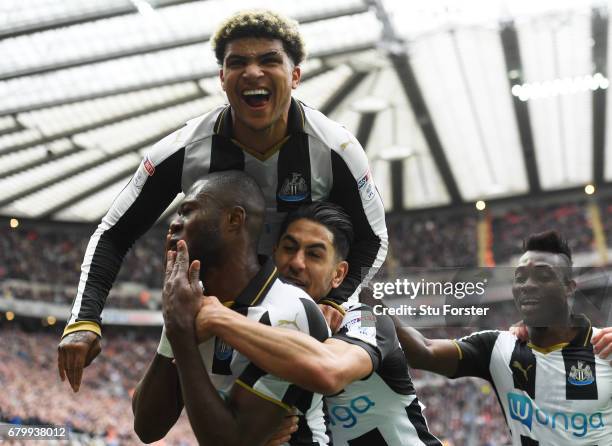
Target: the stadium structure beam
pixel 86 166
pixel 83 18
pixel 146 49
pixel 514 68
pixel 74 131
pixel 163 83
pixel 341 93
pixel 85 192
pixel 50 157
pixel 364 128
pixel 404 70
pixel 15 128
pixel 397 184
pixel 79 169
pixel 599 34
pixel 396 51
pixel 123 117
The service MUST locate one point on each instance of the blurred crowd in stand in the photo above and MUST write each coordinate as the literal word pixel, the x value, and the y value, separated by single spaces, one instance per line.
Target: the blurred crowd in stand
pixel 59 253
pixel 33 393
pixel 433 241
pixel 43 264
pixel 571 220
pixel 436 241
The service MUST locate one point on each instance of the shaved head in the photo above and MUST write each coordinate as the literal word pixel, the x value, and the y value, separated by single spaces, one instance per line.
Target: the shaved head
pixel 230 189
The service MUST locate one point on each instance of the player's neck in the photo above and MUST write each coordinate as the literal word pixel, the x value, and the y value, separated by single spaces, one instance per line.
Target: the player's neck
pixel 545 337
pixel 260 140
pixel 228 278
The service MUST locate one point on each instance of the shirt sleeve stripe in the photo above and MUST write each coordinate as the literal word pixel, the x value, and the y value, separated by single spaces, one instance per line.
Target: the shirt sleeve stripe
pixel 261 395
pixel 82 326
pixel 458 349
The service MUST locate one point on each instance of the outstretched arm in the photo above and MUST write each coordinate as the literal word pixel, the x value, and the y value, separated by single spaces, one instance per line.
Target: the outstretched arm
pixel 436 355
pixel 321 367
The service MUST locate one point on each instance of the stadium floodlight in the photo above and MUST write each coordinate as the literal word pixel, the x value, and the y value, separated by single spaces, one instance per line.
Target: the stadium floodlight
pixel 370 104
pixel 559 95
pixel 396 153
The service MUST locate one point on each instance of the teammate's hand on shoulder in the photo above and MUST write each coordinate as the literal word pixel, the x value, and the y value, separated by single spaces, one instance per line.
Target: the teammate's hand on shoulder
pixel 75 352
pixel 332 316
pixel 211 315
pixel 520 331
pixel 181 295
pixel 285 430
pixel 602 343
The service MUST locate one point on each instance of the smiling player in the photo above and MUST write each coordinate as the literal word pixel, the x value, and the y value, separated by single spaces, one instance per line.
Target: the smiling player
pixel 294 153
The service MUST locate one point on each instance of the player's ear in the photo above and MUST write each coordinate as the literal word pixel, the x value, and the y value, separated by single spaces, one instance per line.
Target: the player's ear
pixel 236 218
pixel 571 288
pixel 222 78
pixel 340 273
pixel 296 75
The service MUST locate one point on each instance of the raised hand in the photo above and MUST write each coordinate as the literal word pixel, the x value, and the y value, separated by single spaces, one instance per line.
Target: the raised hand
pixel 74 353
pixel 182 294
pixel 602 343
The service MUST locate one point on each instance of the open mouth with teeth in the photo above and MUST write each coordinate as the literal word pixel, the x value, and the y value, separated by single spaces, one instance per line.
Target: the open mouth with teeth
pixel 530 302
pixel 257 97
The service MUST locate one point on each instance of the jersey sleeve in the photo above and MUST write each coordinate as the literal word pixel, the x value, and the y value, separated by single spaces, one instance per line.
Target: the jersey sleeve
pixel 375 334
pixel 475 354
pixel 305 317
pixel 354 189
pixel 154 185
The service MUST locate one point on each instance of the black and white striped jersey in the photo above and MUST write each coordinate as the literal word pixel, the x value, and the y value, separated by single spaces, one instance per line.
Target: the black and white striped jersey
pixel 318 160
pixel 550 397
pixel 383 408
pixel 270 301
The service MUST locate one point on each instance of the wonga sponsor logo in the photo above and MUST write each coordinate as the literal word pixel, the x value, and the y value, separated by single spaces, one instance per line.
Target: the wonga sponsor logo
pixel 521 408
pixel 348 415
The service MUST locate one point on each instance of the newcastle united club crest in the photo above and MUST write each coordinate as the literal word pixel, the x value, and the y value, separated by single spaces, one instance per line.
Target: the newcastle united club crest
pixel 294 188
pixel 581 375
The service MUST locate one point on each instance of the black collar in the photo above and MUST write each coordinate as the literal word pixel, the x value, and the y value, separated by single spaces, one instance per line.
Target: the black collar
pixel 258 287
pixel 224 124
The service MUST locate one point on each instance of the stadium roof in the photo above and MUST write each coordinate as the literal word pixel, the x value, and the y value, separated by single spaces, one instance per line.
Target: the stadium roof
pixel 453 101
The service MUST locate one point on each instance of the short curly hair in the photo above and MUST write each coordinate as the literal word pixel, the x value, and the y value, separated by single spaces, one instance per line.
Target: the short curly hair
pixel 259 23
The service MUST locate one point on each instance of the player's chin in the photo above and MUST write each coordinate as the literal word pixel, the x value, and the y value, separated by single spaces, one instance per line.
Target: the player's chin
pixel 297 283
pixel 534 316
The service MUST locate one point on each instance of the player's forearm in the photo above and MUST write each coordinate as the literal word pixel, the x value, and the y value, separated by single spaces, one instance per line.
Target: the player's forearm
pixel 212 421
pixel 435 355
pixel 157 401
pixel 288 354
pixel 415 346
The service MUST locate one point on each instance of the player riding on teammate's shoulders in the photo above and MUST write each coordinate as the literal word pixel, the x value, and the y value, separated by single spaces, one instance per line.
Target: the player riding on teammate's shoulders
pixel 295 153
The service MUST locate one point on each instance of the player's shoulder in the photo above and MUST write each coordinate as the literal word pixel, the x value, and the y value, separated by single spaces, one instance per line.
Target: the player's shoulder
pixel 291 307
pixel 287 293
pixel 195 130
pixel 331 134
